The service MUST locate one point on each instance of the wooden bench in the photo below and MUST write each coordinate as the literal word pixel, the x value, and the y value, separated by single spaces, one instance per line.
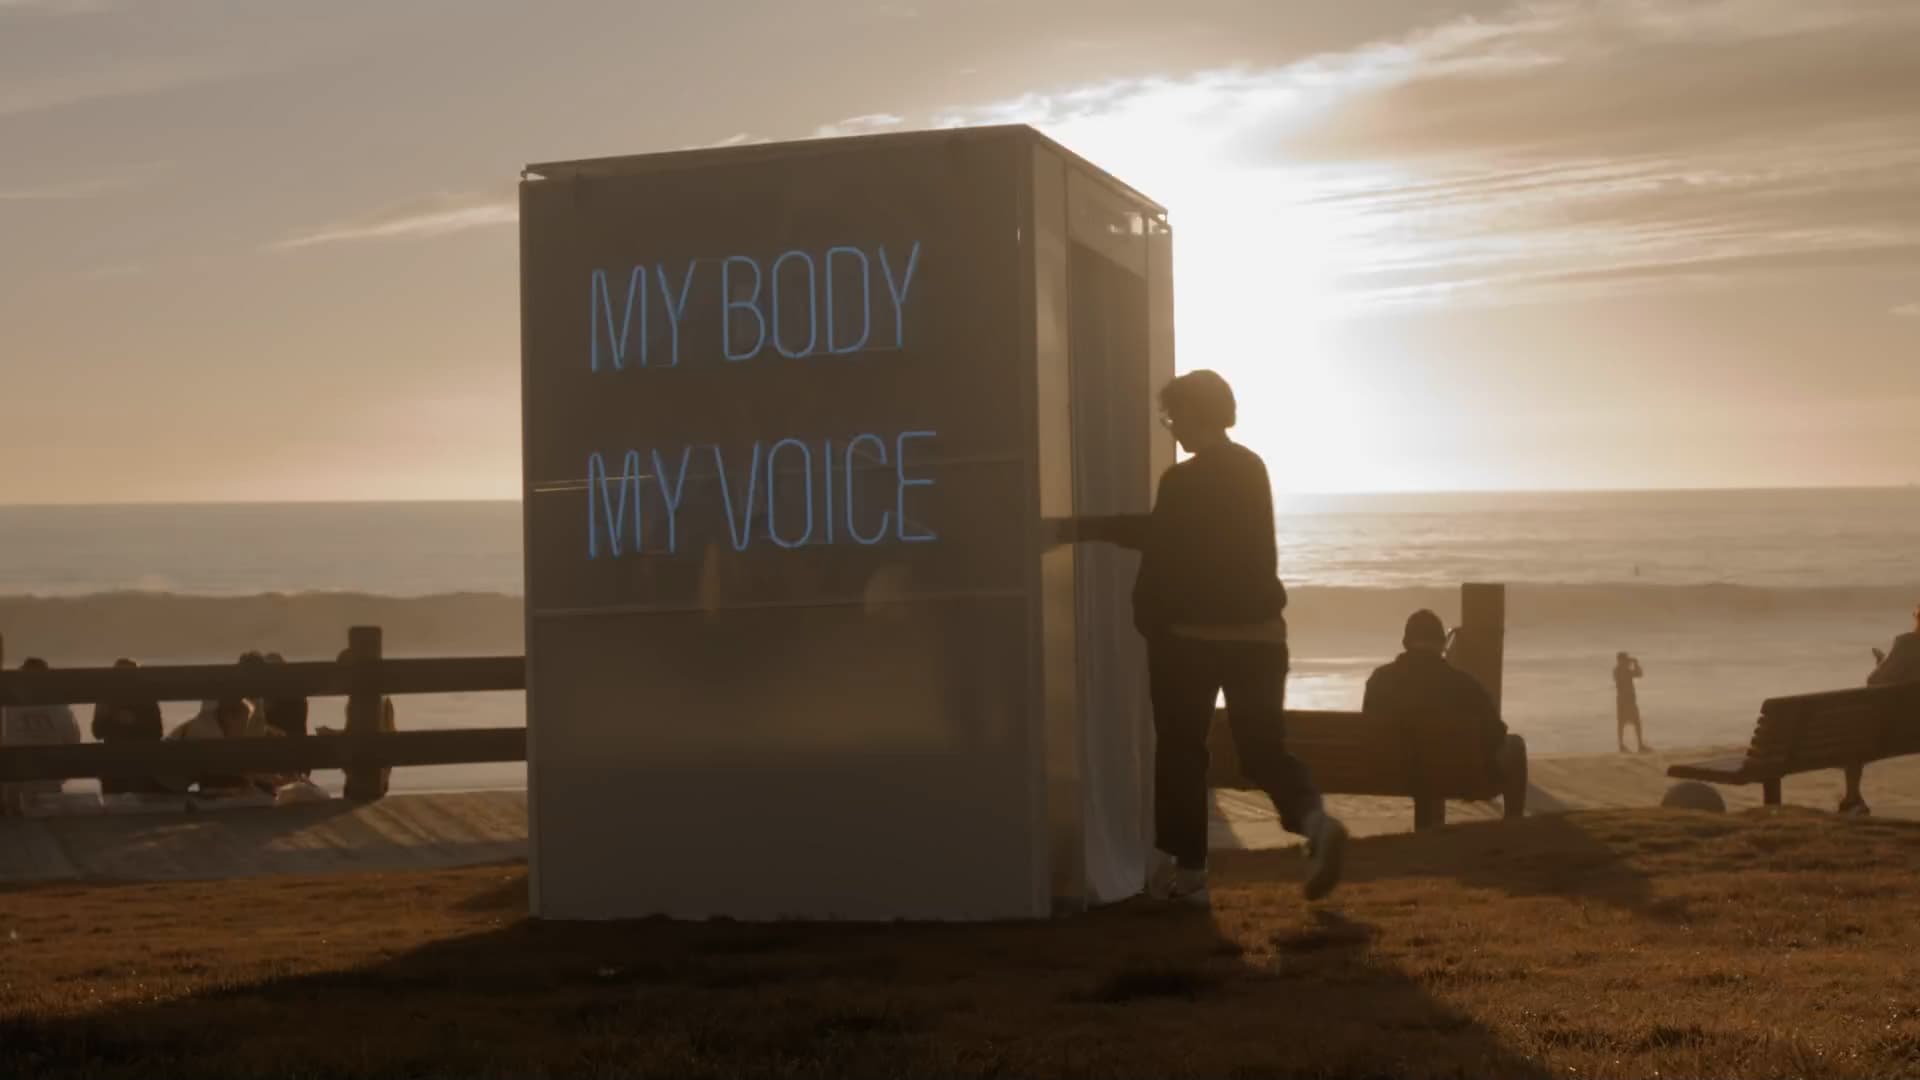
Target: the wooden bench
pixel 1811 732
pixel 1350 753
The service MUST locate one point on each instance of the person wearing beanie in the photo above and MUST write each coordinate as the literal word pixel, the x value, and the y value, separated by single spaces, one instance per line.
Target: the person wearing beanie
pixel 1899 664
pixel 1419 688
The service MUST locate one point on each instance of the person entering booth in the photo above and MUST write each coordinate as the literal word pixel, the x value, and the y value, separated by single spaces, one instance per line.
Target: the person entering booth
pixel 1209 601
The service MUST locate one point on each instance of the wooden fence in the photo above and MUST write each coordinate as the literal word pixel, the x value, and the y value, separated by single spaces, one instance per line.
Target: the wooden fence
pixel 364 678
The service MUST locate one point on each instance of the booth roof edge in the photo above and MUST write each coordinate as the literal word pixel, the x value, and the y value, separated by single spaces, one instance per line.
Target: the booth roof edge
pixel 629 164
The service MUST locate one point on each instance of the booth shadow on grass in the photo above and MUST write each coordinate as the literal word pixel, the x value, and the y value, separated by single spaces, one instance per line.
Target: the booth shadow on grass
pixel 1134 989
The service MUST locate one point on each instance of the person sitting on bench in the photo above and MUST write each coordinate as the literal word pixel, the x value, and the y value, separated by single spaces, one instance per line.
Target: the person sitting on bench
pixel 34 725
pixel 1900 664
pixel 128 722
pixel 1420 687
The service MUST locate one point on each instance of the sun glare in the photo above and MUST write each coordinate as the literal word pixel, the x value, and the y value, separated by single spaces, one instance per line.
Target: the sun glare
pixel 1255 271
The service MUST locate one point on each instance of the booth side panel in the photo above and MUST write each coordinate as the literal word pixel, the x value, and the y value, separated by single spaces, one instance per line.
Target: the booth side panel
pixel 1058 660
pixel 780 540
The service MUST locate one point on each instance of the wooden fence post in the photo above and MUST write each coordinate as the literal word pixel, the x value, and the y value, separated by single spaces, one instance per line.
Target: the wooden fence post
pixel 1480 646
pixel 364 782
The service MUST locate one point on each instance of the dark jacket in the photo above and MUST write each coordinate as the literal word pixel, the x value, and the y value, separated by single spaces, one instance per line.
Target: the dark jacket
pixel 125 724
pixel 1207 551
pixel 1902 665
pixel 128 723
pixel 289 715
pixel 1420 685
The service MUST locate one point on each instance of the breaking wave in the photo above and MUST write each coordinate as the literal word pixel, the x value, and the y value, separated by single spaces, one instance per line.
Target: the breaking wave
pixel 176 627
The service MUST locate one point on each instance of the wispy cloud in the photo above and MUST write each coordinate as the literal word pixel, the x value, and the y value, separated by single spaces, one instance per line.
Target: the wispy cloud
pixel 129 78
pixel 738 138
pixel 54 7
pixel 437 215
pixel 69 189
pixel 1557 146
pixel 867 124
pixel 111 271
pixel 61 191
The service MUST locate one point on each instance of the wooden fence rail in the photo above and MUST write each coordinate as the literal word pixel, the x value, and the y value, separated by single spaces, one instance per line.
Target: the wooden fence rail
pixel 326 678
pixel 364 678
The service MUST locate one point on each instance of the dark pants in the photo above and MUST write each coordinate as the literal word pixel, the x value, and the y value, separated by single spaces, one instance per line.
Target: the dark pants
pixel 114 785
pixel 1184 677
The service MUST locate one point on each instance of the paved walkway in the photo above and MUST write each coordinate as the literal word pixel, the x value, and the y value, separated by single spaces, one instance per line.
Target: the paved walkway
pixel 400 832
pixel 428 831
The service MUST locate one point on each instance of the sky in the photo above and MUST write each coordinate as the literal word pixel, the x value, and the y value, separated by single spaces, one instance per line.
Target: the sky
pixel 264 250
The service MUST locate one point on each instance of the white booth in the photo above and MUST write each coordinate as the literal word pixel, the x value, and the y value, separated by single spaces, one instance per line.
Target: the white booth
pixel 794 415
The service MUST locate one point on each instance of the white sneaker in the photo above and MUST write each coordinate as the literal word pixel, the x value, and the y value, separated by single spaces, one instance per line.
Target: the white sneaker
pixel 1326 852
pixel 1178 885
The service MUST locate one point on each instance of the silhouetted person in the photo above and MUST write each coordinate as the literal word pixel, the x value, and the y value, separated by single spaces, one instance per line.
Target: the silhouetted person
pixel 121 723
pixel 1899 664
pixel 254 658
pixel 287 715
pixel 34 725
pixel 1626 701
pixel 218 719
pixel 1209 601
pixel 1423 692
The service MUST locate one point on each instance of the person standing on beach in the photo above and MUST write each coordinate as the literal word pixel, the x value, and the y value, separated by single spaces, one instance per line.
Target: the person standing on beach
pixel 1209 601
pixel 34 725
pixel 1626 701
pixel 1899 664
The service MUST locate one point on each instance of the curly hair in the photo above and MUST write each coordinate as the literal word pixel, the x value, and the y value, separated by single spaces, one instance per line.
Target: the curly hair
pixel 1201 396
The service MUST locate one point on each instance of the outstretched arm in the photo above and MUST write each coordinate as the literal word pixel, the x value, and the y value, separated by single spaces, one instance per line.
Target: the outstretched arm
pixel 1126 530
pixel 1487 714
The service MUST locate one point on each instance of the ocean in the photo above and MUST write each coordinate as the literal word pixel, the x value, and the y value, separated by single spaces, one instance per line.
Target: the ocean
pixel 1727 597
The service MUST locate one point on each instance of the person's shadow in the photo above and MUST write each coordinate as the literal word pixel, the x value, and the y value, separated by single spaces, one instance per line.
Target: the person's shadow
pixel 1583 855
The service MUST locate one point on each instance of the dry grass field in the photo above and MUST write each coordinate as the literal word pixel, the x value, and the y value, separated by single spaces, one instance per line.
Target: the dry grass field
pixel 1610 943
